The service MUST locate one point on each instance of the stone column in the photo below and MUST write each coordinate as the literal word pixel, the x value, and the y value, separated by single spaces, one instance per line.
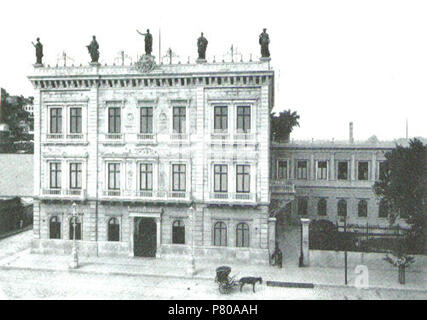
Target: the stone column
pixel 131 232
pixel 305 241
pixel 271 235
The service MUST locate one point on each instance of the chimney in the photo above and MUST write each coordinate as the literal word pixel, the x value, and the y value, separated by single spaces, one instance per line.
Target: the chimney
pixel 351 138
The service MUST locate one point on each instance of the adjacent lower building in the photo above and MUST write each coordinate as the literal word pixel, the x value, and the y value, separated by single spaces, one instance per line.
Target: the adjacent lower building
pixel 328 180
pixel 157 160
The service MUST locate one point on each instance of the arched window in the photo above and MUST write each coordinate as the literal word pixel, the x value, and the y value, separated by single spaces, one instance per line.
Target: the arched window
pixel 178 232
pixel 322 207
pixel 383 209
pixel 113 230
pixel 54 228
pixel 362 208
pixel 242 235
pixel 77 225
pixel 220 234
pixel 342 208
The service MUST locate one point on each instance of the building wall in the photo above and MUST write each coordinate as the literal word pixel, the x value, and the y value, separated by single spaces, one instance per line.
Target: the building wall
pixel 332 189
pixel 198 88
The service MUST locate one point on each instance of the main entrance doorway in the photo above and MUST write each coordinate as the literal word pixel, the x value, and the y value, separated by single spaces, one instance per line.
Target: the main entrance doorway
pixel 145 237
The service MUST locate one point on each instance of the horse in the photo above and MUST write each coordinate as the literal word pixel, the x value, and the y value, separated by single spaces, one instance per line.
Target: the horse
pixel 249 280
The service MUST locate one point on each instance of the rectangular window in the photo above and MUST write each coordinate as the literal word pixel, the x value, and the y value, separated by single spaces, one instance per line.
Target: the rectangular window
pixel 243 178
pixel 243 119
pixel 178 177
pixel 114 120
pixel 114 176
pixel 75 120
pixel 179 120
pixel 75 175
pixel 221 119
pixel 363 170
pixel 220 178
pixel 56 120
pixel 342 170
pixel 322 170
pixel 146 176
pixel 302 170
pixel 282 169
pixel 146 120
pixel 55 175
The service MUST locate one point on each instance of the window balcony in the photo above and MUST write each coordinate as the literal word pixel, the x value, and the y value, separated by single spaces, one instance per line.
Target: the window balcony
pixel 56 193
pixel 114 136
pixel 146 136
pixel 146 195
pixel 244 196
pixel 219 195
pixel 242 136
pixel 112 193
pixel 54 136
pixel 179 136
pixel 220 136
pixel 282 187
pixel 75 136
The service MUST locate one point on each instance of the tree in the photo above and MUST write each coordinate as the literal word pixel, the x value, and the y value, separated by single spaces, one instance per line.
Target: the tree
pixel 283 124
pixel 402 187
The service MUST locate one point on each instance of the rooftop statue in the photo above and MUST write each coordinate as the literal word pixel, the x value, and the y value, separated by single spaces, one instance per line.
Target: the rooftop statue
pixel 39 51
pixel 148 41
pixel 202 44
pixel 93 49
pixel 264 41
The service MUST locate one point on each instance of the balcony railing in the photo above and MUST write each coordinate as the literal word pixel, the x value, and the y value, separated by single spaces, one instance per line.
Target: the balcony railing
pixel 244 196
pixel 54 136
pixel 114 136
pixel 244 136
pixel 154 195
pixel 281 186
pixel 64 193
pixel 220 136
pixel 146 136
pixel 179 136
pixel 75 136
pixel 232 196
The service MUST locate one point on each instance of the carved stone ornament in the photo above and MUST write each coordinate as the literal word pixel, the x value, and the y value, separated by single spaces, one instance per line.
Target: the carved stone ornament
pixel 146 63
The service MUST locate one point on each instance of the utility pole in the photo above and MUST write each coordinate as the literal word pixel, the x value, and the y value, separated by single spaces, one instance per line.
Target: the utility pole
pixel 345 249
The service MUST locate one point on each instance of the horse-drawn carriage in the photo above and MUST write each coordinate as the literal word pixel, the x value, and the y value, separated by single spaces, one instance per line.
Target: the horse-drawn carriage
pixel 227 283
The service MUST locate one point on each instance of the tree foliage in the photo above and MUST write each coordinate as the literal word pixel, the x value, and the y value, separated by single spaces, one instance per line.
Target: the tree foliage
pixel 13 112
pixel 403 188
pixel 283 124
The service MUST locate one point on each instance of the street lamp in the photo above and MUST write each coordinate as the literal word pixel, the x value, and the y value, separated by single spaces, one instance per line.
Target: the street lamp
pixel 75 258
pixel 192 268
pixel 344 218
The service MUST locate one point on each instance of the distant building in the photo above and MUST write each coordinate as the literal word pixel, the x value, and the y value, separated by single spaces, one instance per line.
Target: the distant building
pixel 29 107
pixel 328 180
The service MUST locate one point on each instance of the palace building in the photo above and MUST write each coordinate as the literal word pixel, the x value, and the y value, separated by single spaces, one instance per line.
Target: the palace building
pixel 157 159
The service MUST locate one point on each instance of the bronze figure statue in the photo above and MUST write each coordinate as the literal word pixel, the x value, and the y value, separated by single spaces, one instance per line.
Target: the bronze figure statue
pixel 264 40
pixel 93 49
pixel 148 38
pixel 202 44
pixel 39 51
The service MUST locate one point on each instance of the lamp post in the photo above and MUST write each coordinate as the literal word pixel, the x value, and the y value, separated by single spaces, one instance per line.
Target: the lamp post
pixel 345 248
pixel 75 258
pixel 192 268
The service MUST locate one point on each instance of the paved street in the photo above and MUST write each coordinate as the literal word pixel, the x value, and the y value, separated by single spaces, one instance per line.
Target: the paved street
pixel 28 284
pixel 90 283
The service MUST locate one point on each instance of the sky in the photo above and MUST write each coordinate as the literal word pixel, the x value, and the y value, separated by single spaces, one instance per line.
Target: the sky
pixel 335 61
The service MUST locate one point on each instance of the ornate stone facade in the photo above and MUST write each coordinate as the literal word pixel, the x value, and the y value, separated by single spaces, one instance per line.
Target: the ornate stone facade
pixel 139 149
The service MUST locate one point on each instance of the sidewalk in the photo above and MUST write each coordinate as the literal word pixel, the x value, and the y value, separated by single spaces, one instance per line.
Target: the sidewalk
pixel 177 267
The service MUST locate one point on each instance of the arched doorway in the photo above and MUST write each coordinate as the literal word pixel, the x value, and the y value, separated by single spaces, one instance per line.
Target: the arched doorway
pixel 145 237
